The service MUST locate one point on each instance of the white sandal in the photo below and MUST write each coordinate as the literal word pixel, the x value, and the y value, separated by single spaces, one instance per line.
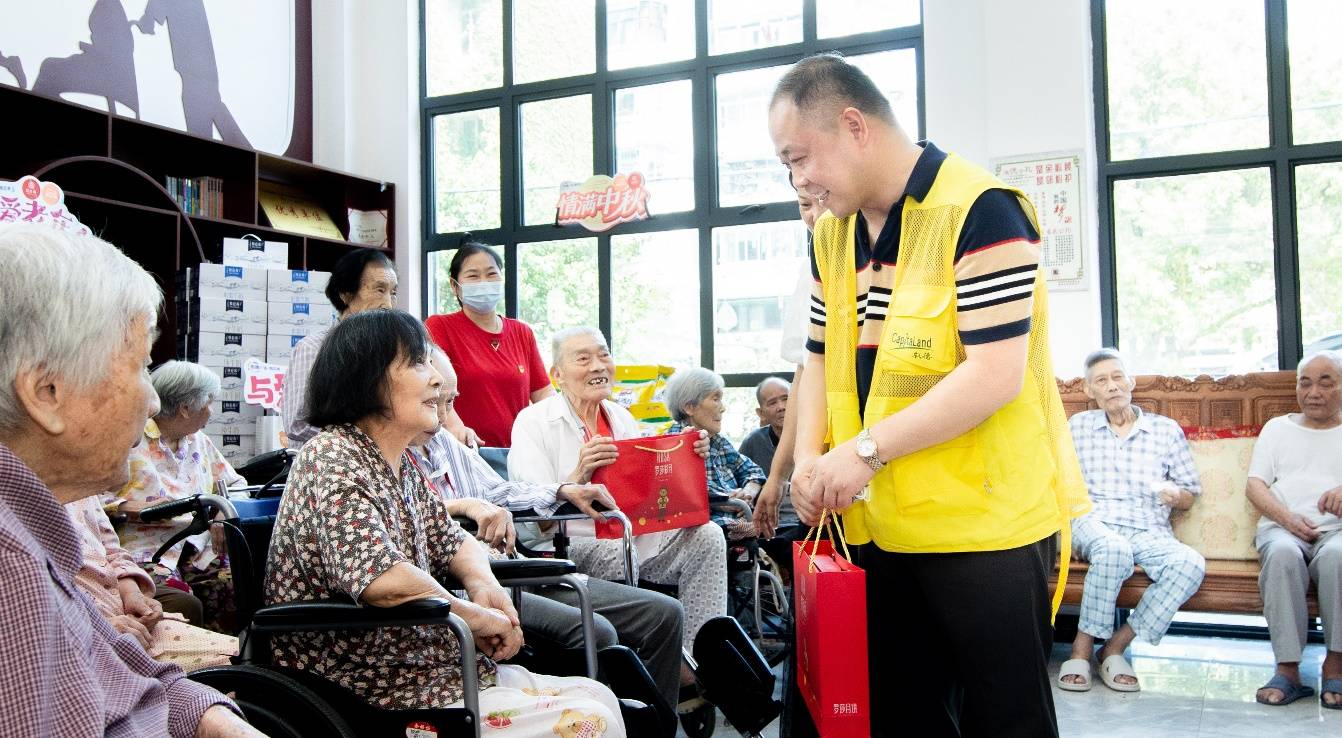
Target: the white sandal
pixel 1116 666
pixel 1075 667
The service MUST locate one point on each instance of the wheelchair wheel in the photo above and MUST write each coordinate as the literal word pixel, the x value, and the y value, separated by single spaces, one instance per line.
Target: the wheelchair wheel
pixel 275 704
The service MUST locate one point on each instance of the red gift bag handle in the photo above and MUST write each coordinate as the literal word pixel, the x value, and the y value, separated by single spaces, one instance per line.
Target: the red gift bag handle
pixel 662 450
pixel 827 521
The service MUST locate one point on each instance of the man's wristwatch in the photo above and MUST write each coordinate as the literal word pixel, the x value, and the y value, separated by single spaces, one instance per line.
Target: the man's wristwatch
pixel 866 448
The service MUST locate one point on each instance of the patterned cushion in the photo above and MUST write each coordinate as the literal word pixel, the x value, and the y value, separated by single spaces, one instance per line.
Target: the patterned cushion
pixel 1222 523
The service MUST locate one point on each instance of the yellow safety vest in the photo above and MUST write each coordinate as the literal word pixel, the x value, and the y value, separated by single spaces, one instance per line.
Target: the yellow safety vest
pixel 1012 480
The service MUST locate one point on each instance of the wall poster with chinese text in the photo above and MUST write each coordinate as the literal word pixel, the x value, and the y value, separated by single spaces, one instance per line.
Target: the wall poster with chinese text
pixel 1053 184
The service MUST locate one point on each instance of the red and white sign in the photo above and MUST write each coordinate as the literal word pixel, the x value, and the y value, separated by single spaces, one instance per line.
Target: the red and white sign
pixel 30 200
pixel 263 384
pixel 602 202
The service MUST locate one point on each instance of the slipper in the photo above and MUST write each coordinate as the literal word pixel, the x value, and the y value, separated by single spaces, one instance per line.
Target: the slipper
pixel 1290 690
pixel 1075 667
pixel 1331 685
pixel 1115 666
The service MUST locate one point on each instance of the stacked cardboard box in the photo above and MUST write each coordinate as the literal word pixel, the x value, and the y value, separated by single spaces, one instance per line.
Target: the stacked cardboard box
pixel 245 308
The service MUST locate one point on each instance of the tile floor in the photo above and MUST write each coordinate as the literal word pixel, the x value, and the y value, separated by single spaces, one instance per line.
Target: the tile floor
pixel 1191 687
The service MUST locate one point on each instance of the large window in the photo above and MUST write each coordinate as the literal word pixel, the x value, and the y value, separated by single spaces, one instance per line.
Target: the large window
pixel 1219 129
pixel 522 97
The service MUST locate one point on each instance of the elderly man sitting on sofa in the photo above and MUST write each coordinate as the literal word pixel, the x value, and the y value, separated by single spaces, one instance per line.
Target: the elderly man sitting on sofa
pixel 1295 481
pixel 1137 467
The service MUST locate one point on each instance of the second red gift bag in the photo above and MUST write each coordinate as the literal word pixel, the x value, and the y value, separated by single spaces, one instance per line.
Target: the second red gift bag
pixel 659 482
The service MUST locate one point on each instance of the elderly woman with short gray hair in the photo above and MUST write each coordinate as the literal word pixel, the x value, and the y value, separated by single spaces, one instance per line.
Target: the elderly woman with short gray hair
pixel 175 459
pixel 75 335
pixel 694 397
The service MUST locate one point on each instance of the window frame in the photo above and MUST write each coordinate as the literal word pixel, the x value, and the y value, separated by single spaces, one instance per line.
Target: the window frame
pixel 1280 157
pixel 706 215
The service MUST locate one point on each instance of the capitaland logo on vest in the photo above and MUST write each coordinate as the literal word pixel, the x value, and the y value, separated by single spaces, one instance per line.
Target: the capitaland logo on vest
pixel 909 343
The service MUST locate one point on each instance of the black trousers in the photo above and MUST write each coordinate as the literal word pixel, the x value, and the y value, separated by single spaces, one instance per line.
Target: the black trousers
pixel 958 645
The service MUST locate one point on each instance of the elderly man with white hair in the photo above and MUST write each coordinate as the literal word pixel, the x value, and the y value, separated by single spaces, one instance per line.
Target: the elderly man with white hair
pixel 1295 481
pixel 566 437
pixel 74 397
pixel 1138 467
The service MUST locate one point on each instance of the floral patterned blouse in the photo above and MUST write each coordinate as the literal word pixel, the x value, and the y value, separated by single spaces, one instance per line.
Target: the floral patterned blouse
pixel 344 521
pixel 159 472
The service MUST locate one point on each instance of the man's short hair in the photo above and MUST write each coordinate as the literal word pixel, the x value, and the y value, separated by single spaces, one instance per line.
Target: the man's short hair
pixel 1103 354
pixel 350 378
pixel 830 80
pixel 559 339
pixel 759 388
pixel 347 275
pixel 1328 354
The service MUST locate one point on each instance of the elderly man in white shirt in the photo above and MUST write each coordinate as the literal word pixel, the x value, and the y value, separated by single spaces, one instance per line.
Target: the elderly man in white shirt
pixel 1295 481
pixel 1138 467
pixel 648 622
pixel 567 437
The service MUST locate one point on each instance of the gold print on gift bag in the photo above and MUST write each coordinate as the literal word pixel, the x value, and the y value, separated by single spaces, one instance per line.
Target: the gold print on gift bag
pixel 663 499
pixel 661 469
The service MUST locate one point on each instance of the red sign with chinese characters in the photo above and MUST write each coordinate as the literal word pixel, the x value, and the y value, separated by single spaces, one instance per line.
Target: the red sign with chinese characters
pixel 602 202
pixel 263 384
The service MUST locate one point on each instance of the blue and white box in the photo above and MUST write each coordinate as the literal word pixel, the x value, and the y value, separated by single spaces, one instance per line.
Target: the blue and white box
pixel 280 348
pixel 296 285
pixel 253 253
pixel 299 318
pixel 220 282
pixel 224 315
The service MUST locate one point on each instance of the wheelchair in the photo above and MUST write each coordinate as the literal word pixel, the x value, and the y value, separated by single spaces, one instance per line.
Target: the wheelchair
pixel 287 703
pixel 733 673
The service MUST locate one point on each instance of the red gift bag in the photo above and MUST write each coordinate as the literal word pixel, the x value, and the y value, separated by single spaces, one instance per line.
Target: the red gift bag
pixel 831 609
pixel 660 483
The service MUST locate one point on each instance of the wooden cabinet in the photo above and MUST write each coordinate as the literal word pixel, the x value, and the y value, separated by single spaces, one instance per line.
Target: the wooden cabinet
pixel 113 170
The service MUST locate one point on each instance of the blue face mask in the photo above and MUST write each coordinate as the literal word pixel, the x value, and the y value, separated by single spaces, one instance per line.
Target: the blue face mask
pixel 481 296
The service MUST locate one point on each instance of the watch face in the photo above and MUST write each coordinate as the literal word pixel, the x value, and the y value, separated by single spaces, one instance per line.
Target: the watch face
pixel 866 447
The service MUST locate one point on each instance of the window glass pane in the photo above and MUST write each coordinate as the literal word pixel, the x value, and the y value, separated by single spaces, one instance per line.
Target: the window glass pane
pixel 1196 293
pixel 556 148
pixel 737 26
pixel 1317 190
pixel 1186 77
pixel 466 170
pixel 556 287
pixel 748 169
pixel 441 299
pixel 553 39
pixel 846 17
pixel 643 32
pixel 740 417
pixel 1316 70
pixel 755 270
pixel 895 72
pixel 464 45
pixel 654 135
pixel 655 278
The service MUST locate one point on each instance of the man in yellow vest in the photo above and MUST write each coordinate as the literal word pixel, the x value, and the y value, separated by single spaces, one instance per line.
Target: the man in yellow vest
pixel 929 382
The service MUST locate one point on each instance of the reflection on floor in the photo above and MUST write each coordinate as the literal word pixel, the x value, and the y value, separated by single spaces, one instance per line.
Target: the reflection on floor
pixel 1190 687
pixel 1195 687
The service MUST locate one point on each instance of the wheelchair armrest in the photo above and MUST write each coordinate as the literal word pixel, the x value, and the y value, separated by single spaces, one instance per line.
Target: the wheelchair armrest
pixel 724 503
pixel 506 570
pixel 345 615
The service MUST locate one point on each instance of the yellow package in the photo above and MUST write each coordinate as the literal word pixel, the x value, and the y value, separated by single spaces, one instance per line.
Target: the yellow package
pixel 640 389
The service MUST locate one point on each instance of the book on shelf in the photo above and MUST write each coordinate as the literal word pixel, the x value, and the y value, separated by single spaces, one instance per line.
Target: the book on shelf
pixel 198 195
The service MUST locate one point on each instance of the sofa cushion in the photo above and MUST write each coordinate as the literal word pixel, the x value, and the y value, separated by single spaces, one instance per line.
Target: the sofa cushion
pixel 1222 523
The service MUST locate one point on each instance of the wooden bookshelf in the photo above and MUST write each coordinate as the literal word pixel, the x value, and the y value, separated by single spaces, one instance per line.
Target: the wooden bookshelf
pixel 113 170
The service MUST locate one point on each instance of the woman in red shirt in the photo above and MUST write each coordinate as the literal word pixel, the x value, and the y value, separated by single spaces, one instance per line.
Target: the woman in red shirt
pixel 497 361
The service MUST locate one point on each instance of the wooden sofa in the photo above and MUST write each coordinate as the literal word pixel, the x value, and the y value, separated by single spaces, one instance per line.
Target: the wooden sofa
pixel 1234 402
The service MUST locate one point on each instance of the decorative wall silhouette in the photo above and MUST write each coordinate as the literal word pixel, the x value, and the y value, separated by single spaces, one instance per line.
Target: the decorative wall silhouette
pixel 106 65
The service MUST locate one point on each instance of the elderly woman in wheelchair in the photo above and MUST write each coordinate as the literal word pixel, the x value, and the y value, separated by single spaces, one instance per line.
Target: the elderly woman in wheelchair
pixel 358 519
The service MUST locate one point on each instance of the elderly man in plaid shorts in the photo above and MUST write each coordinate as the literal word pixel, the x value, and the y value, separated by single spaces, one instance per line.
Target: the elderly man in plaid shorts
pixel 1138 467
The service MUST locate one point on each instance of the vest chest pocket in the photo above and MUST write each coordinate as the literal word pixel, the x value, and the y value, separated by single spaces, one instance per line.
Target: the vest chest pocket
pixel 919 332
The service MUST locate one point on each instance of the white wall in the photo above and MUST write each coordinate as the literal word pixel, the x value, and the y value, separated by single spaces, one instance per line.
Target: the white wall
pixel 1011 77
pixel 1003 78
pixel 365 67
